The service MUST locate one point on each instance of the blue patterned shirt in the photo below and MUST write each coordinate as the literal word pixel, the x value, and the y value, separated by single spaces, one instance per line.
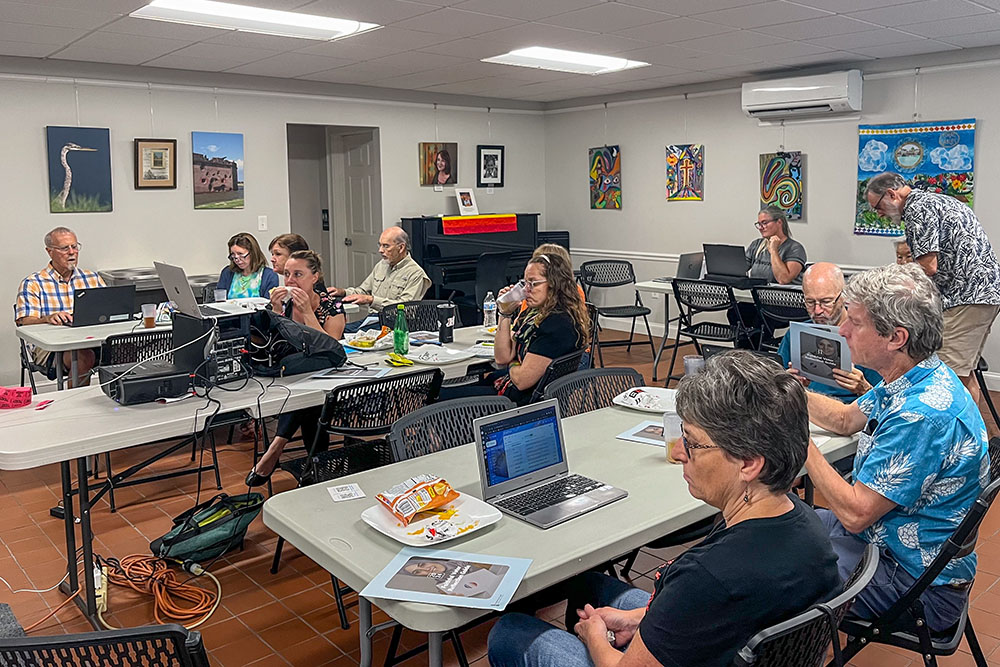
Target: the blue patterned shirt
pixel 927 453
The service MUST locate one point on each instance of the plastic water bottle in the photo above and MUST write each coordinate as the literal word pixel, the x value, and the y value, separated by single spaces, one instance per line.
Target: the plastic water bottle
pixel 401 333
pixel 489 311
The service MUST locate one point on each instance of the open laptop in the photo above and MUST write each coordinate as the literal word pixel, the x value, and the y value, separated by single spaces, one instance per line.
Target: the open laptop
pixel 728 264
pixel 708 351
pixel 523 468
pixel 178 290
pixel 689 265
pixel 100 305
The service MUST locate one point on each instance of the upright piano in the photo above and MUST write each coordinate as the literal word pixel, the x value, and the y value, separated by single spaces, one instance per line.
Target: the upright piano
pixel 450 260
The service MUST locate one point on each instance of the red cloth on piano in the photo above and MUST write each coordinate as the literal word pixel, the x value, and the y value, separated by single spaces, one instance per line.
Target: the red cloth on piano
pixel 478 224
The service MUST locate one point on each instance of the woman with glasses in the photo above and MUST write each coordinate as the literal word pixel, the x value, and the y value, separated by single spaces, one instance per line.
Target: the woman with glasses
pixel 554 323
pixel 745 437
pixel 248 274
pixel 775 256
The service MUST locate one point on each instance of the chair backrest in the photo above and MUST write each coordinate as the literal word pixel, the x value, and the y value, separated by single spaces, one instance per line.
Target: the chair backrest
pixel 442 425
pixel 138 346
pixel 803 639
pixel 208 292
pixel 491 274
pixel 595 330
pixel 695 296
pixel 558 367
pixel 370 408
pixel 591 389
pixel 162 645
pixel 552 236
pixel 420 315
pixel 780 304
pixel 606 273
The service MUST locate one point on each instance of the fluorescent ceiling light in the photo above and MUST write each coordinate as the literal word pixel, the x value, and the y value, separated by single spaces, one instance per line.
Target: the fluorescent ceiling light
pixel 541 57
pixel 251 19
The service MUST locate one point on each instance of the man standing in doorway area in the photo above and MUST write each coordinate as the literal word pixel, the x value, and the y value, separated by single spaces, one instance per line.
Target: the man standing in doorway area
pixel 396 278
pixel 951 246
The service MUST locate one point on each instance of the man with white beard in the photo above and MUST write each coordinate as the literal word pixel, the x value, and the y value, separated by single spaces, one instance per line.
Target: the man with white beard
pixel 952 248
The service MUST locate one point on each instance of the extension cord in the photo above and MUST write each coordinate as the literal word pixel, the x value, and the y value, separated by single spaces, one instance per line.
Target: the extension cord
pixel 101 588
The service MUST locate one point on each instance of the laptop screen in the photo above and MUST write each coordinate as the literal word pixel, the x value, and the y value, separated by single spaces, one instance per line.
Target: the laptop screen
pixel 520 447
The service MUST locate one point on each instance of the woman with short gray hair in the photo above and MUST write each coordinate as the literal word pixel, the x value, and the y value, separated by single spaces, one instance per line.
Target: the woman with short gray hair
pixel 745 436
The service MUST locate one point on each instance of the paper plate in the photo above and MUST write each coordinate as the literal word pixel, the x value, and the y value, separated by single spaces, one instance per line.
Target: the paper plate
pixel 384 343
pixel 647 399
pixel 435 355
pixel 460 517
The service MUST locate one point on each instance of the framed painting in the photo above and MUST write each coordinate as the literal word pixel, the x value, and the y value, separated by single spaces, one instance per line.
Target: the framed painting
pixel 155 163
pixel 79 161
pixel 438 163
pixel 489 166
pixel 217 165
pixel 605 177
pixel 686 172
pixel 782 182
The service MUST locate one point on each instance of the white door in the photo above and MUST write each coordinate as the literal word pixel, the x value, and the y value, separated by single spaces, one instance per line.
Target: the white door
pixel 357 206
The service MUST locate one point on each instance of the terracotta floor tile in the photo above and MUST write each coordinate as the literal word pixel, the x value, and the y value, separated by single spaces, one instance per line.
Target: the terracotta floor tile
pixel 282 635
pixel 314 651
pixel 244 601
pixel 223 632
pixel 878 656
pixel 242 652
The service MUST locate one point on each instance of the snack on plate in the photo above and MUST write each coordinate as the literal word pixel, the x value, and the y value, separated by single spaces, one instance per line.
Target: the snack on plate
pixel 416 494
pixel 641 399
pixel 365 339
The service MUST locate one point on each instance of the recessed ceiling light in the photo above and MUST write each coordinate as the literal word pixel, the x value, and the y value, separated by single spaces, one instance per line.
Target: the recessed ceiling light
pixel 251 19
pixel 541 57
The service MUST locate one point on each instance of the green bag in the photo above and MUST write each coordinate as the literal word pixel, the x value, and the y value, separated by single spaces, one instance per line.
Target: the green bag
pixel 210 529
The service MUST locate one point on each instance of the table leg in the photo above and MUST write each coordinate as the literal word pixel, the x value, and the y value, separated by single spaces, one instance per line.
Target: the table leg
pixel 75 367
pixel 68 518
pixel 663 344
pixel 86 537
pixel 434 648
pixel 364 625
pixel 60 372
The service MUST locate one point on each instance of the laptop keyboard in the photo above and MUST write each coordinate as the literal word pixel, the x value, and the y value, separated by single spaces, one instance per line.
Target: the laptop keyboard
pixel 209 310
pixel 548 495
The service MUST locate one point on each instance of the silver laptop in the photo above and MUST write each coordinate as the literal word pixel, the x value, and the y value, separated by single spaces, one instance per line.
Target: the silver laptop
pixel 691 265
pixel 178 290
pixel 523 469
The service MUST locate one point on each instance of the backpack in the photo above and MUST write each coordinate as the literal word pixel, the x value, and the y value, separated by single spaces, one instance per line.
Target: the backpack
pixel 208 530
pixel 291 348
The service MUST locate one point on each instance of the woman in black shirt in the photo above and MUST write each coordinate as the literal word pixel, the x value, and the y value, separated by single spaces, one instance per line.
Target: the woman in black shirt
pixel 744 441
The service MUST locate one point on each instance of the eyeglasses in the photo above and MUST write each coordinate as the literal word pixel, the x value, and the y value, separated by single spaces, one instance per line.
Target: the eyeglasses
pixel 762 224
pixel 235 256
pixel 875 207
pixel 66 248
pixel 689 446
pixel 386 246
pixel 825 304
pixel 532 284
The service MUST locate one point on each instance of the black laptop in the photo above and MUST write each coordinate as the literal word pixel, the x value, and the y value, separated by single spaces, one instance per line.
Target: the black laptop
pixel 728 264
pixel 100 305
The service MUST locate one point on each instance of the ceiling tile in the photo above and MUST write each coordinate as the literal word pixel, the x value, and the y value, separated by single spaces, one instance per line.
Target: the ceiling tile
pixel 40 34
pixel 855 40
pixel 688 7
pixel 919 12
pixel 420 79
pixel 415 61
pixel 729 42
pixel 905 49
pixel 662 55
pixel 456 23
pixel 767 13
pixel 476 48
pixel 823 58
pixel 784 51
pixel 66 17
pixel 25 49
pixel 290 65
pixel 375 44
pixel 535 34
pixel 607 17
pixel 481 86
pixel 255 40
pixel 359 73
pixel 127 25
pixel 674 30
pixel 974 40
pixel 846 6
pixel 102 6
pixel 609 45
pixel 214 57
pixel 382 12
pixel 637 74
pixel 525 10
pixel 957 26
pixel 705 61
pixel 115 48
pixel 822 27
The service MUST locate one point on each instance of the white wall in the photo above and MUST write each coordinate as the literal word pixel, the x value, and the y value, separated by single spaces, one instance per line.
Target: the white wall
pixel 307 187
pixel 148 225
pixel 649 230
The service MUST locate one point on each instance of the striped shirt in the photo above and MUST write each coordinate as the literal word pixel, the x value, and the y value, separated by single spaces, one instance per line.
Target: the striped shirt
pixel 45 292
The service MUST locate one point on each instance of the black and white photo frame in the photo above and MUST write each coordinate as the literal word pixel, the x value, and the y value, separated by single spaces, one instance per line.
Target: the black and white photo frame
pixel 490 166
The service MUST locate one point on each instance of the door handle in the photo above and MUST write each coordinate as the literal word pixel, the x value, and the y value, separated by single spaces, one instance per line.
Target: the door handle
pixel 348 242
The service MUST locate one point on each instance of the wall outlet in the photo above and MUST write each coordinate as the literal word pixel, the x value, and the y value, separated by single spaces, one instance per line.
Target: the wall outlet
pixel 654 296
pixel 261 223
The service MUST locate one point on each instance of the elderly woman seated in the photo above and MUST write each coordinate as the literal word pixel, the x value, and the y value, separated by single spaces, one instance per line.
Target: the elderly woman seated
pixel 745 435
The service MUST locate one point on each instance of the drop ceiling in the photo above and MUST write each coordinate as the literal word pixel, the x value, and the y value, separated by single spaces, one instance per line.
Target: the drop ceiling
pixel 435 46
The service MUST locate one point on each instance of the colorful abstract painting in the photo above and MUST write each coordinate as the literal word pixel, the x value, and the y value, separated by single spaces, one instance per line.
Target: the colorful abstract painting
pixel 782 182
pixel 79 165
pixel 686 172
pixel 936 156
pixel 606 177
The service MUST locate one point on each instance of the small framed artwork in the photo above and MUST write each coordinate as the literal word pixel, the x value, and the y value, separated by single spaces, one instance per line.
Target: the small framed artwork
pixel 466 202
pixel 155 164
pixel 489 166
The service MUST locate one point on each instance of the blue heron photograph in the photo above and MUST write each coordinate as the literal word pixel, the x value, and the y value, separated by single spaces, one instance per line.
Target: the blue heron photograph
pixel 79 169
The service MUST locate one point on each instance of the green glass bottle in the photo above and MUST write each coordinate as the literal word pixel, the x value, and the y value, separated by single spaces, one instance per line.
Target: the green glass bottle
pixel 401 333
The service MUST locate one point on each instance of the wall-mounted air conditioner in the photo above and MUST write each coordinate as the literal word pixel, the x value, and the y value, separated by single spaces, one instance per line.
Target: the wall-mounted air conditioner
pixel 803 97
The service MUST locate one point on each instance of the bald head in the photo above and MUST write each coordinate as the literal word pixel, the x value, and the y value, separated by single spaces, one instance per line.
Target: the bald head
pixel 822 286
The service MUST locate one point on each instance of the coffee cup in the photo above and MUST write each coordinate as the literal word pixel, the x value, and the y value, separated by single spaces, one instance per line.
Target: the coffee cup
pixel 446 322
pixel 149 315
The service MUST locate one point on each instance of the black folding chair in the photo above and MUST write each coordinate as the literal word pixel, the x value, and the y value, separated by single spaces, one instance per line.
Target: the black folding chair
pixel 777 307
pixel 981 367
pixel 591 389
pixel 803 639
pixel 150 645
pixel 363 414
pixel 608 273
pixel 420 315
pixel 904 623
pixel 558 367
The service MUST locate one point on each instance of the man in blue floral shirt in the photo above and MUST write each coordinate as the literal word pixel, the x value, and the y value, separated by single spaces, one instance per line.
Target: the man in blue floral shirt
pixel 922 458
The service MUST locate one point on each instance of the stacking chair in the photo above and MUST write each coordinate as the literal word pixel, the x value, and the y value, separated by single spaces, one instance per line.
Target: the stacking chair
pixel 591 389
pixel 803 639
pixel 981 367
pixel 593 337
pixel 491 275
pixel 903 624
pixel 558 367
pixel 420 315
pixel 607 273
pixel 695 297
pixel 150 645
pixel 29 367
pixel 777 307
pixel 358 412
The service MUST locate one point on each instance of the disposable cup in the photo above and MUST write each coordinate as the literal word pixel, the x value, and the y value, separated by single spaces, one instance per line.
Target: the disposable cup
pixel 149 315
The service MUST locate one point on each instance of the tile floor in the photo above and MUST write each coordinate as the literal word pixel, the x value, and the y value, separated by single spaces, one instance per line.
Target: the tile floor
pixel 291 618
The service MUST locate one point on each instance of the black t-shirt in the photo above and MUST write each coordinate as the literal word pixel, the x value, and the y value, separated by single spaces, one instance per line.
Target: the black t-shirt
pixel 551 338
pixel 738 581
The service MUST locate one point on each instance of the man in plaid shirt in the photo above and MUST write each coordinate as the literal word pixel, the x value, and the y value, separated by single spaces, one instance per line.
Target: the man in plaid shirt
pixel 46 297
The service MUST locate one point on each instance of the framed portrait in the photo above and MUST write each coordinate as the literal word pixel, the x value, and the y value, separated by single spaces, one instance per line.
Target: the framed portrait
pixel 816 350
pixel 489 166
pixel 438 163
pixel 155 164
pixel 466 201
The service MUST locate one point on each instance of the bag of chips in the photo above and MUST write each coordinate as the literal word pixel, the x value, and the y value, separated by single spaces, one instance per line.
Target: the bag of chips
pixel 416 494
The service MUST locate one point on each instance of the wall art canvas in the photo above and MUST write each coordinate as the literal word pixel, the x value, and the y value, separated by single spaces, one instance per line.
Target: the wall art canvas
pixel 782 182
pixel 606 177
pixel 217 163
pixel 79 160
pixel 936 156
pixel 686 172
pixel 438 163
pixel 489 166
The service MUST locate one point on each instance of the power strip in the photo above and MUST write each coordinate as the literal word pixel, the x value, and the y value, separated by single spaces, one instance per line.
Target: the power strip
pixel 101 588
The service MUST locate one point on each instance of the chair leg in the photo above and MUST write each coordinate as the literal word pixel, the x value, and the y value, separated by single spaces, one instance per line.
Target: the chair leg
pixel 629 562
pixel 597 344
pixel 673 356
pixel 631 333
pixel 194 448
pixel 974 648
pixel 215 462
pixel 390 654
pixel 338 594
pixel 649 334
pixel 232 432
pixel 277 554
pixel 986 396
pixel 456 643
pixel 111 486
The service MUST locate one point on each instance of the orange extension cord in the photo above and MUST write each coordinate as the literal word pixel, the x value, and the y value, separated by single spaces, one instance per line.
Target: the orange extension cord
pixel 172 599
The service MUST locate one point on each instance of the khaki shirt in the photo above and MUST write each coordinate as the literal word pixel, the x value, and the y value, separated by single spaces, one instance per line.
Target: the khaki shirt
pixel 392 284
